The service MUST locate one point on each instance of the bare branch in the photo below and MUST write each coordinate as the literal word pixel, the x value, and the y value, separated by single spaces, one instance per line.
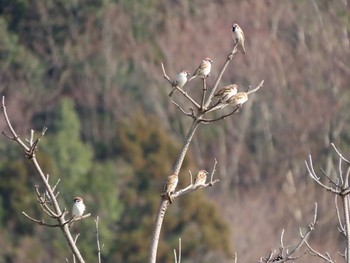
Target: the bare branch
pixel 339 154
pixel 204 92
pixel 190 114
pixel 257 88
pixel 329 178
pixel 346 182
pixel 15 136
pixel 207 121
pixel 98 240
pixel 313 175
pixel 30 141
pixel 314 252
pixel 40 222
pixel 304 237
pixel 165 75
pixel 235 258
pixel 341 226
pixel 191 177
pixel 55 186
pixel 340 170
pixel 77 218
pixel 43 203
pixel 213 170
pixel 346 216
pixel 178 259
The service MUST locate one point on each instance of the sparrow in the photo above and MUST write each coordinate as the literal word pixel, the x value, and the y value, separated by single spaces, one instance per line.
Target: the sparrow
pixel 180 81
pixel 169 186
pixel 238 36
pixel 238 99
pixel 203 69
pixel 201 178
pixel 227 92
pixel 77 209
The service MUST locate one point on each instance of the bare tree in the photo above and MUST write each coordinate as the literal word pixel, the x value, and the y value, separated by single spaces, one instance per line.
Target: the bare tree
pixel 198 113
pixel 46 198
pixel 337 184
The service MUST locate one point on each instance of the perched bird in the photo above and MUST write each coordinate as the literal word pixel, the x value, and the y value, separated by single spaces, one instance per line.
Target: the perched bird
pixel 238 36
pixel 180 81
pixel 227 92
pixel 78 208
pixel 201 178
pixel 238 99
pixel 203 69
pixel 169 186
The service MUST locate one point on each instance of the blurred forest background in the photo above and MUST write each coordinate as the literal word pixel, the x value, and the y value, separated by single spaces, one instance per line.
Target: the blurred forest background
pixel 90 71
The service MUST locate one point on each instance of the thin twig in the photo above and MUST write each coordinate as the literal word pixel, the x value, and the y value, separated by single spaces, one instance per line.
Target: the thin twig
pixel 98 240
pixel 329 178
pixel 15 136
pixel 341 226
pixel 213 171
pixel 178 258
pixel 340 154
pixel 313 175
pixel 235 258
pixel 314 252
pixel 40 222
pixel 204 92
pixel 54 187
pixel 190 114
pixel 191 177
pixel 77 218
pixel 207 121
pixel 257 88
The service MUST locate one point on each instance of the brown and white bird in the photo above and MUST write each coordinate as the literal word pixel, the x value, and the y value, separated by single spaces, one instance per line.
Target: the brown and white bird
pixel 170 186
pixel 201 178
pixel 180 81
pixel 78 208
pixel 238 36
pixel 238 99
pixel 227 92
pixel 203 69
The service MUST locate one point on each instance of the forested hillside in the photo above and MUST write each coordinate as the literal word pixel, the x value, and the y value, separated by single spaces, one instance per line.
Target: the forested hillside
pixel 90 72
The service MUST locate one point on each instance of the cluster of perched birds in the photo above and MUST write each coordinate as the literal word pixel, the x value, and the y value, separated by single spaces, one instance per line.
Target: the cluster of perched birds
pixel 229 94
pixel 171 183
